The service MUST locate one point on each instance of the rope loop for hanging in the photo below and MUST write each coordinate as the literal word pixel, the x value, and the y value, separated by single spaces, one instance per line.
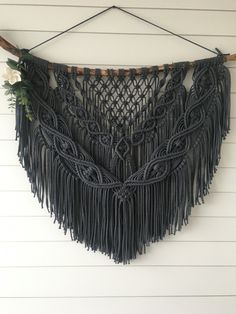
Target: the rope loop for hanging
pixel 132 14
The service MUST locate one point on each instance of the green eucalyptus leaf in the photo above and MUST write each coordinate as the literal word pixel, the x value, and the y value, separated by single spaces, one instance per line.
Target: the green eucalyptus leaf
pixel 6 84
pixel 12 64
pixel 18 84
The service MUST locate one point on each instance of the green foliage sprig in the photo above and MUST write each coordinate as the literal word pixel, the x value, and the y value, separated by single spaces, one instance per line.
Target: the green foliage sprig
pixel 18 91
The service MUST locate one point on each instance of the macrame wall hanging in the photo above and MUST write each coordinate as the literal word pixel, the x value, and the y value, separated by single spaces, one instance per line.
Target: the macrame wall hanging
pixel 119 156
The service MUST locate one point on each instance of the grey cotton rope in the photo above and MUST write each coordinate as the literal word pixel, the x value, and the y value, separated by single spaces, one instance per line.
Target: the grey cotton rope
pixel 120 161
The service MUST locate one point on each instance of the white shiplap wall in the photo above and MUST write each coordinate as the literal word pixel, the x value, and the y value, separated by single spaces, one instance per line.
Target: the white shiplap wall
pixel 41 269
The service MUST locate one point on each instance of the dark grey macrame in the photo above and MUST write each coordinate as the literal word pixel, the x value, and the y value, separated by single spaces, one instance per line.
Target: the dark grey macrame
pixel 120 160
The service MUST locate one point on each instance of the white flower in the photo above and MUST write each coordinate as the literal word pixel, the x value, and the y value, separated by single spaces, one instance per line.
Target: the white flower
pixel 12 76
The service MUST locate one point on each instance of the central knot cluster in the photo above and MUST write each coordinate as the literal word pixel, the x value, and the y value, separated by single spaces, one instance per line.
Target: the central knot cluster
pixel 125 192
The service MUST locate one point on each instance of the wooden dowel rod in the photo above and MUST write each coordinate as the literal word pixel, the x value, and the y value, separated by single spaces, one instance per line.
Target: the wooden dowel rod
pixel 16 52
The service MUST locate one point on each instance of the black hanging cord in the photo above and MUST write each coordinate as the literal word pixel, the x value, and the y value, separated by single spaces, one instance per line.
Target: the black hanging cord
pixel 166 30
pixel 132 14
pixel 67 30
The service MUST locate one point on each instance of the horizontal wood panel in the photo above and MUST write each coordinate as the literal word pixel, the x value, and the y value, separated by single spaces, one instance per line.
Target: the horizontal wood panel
pixel 7 127
pixel 43 229
pixel 9 155
pixel 201 4
pixel 87 281
pixel 169 305
pixel 31 229
pixel 39 254
pixel 31 19
pixel 23 204
pixel 114 48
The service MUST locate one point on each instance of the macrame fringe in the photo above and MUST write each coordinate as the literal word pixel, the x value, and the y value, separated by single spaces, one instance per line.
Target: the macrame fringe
pixel 123 227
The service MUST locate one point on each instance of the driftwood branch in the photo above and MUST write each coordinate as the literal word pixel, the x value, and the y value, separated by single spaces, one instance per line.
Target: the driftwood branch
pixel 16 52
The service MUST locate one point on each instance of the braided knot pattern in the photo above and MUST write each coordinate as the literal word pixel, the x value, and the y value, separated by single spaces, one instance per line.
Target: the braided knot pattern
pixel 172 152
pixel 159 107
pixel 164 158
pixel 125 192
pixel 58 136
pixel 121 100
pixel 174 90
pixel 75 107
